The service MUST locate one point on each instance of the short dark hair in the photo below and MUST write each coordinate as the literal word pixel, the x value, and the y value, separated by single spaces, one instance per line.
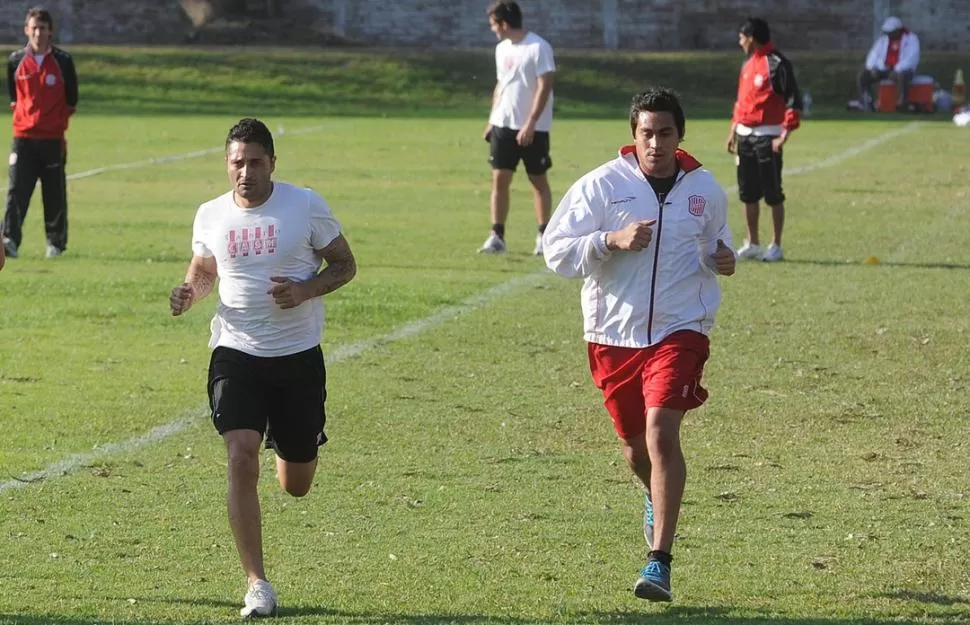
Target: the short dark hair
pixel 757 29
pixel 506 11
pixel 42 15
pixel 251 130
pixel 658 100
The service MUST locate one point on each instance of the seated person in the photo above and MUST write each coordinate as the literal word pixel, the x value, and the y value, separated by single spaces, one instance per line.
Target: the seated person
pixel 894 55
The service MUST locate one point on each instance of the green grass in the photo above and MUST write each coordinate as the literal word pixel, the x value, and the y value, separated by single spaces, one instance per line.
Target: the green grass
pixel 472 474
pixel 456 83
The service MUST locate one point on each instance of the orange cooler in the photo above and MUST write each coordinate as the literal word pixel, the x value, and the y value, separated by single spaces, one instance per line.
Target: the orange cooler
pixel 921 92
pixel 886 98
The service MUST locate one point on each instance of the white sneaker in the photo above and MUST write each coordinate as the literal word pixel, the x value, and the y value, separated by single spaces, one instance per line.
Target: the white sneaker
pixel 53 251
pixel 538 250
pixel 9 248
pixel 260 600
pixel 772 254
pixel 493 245
pixel 750 251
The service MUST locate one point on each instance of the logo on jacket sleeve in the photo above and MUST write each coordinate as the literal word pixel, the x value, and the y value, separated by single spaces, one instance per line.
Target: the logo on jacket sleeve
pixel 696 204
pixel 623 200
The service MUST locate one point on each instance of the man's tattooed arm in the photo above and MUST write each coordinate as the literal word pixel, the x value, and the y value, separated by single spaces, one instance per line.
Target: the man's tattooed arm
pixel 199 280
pixel 341 268
pixel 201 276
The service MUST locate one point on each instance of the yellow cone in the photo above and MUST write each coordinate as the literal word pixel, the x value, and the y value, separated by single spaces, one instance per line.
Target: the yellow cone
pixel 872 260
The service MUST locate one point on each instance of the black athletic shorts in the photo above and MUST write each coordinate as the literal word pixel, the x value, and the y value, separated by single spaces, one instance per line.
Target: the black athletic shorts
pixel 282 397
pixel 506 152
pixel 759 171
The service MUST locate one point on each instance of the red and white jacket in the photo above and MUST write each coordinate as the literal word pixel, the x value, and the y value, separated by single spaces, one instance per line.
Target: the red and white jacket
pixel 768 97
pixel 907 53
pixel 43 97
pixel 635 299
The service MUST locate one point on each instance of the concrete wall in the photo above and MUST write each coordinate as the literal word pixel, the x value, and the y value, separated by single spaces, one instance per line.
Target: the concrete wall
pixel 101 21
pixel 648 24
pixel 625 24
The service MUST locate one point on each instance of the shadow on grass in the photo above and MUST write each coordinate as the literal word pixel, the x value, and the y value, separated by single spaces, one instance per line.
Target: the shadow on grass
pixel 925 597
pixel 824 262
pixel 656 615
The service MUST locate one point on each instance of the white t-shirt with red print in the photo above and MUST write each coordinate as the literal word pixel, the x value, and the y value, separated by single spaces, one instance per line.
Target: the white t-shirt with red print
pixel 251 245
pixel 518 67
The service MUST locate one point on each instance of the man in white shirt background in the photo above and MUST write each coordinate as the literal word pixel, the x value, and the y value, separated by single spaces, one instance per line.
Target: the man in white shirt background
pixel 648 233
pixel 894 55
pixel 520 119
pixel 265 241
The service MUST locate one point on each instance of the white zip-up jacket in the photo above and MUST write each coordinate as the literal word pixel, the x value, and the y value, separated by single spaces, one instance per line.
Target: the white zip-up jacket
pixel 635 299
pixel 908 53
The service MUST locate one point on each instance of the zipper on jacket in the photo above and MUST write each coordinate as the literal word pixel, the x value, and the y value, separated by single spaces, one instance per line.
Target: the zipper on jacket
pixel 661 197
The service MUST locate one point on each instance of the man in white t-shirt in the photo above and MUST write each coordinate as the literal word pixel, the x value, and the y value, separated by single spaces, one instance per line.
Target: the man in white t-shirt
pixel 518 126
pixel 265 241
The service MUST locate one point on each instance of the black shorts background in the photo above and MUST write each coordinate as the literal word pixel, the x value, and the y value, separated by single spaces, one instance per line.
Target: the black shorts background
pixel 759 171
pixel 282 397
pixel 32 160
pixel 505 151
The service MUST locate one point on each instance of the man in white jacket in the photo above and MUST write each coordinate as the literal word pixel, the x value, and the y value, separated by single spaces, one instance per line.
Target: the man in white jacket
pixel 647 232
pixel 894 55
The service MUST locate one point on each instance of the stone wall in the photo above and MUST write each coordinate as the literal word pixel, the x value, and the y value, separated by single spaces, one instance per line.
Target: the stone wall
pixel 624 24
pixel 647 24
pixel 102 21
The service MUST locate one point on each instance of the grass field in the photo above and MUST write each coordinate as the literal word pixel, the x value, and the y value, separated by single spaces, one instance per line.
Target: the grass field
pixel 472 474
pixel 425 83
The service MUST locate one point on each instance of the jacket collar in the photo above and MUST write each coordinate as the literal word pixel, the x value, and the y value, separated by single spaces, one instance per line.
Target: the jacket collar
pixel 685 161
pixel 30 51
pixel 764 50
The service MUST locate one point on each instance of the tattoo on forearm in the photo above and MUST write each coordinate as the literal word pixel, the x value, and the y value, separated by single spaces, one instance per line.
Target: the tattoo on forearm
pixel 336 274
pixel 341 268
pixel 200 281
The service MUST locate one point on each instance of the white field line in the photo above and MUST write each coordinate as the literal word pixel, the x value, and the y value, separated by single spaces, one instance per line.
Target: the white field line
pixel 74 462
pixel 865 146
pixel 441 317
pixel 856 150
pixel 174 158
pixel 940 225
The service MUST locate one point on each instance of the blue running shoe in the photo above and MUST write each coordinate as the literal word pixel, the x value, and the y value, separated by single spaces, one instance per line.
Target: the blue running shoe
pixel 648 520
pixel 654 582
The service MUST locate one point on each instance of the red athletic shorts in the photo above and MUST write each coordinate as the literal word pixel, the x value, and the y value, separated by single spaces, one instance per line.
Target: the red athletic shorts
pixel 665 375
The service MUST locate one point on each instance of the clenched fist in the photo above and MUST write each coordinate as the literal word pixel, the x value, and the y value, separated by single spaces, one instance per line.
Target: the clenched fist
pixel 633 238
pixel 724 259
pixel 181 299
pixel 287 293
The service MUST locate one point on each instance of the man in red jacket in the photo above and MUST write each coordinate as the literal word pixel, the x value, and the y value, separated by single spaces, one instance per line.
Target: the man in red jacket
pixel 767 110
pixel 42 84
